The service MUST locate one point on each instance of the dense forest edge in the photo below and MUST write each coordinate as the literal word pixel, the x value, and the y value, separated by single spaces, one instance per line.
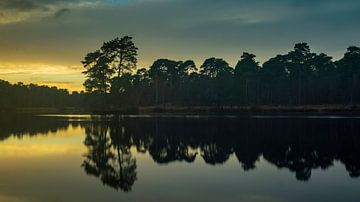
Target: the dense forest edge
pixel 299 81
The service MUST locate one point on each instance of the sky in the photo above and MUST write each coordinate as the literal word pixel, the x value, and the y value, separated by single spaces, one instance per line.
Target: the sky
pixel 43 41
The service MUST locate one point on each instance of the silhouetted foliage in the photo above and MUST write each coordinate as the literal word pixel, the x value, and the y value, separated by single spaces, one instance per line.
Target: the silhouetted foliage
pixel 247 79
pixel 122 54
pixel 98 72
pixel 119 57
pixel 299 77
pixel 109 158
pixel 296 144
pixel 31 95
pixel 299 145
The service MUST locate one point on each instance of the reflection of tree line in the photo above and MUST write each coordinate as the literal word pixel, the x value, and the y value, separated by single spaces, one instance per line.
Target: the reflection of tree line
pixel 21 125
pixel 299 145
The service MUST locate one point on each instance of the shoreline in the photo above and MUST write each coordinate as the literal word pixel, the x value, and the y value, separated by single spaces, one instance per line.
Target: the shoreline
pixel 263 109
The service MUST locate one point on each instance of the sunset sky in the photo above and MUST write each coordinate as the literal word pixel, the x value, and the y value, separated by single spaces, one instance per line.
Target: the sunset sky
pixel 43 41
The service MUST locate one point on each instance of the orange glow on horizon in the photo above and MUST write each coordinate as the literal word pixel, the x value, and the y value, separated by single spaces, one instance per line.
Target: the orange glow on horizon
pixel 59 143
pixel 65 77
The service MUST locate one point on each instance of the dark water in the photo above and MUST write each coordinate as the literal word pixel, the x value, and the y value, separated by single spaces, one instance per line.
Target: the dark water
pixel 179 158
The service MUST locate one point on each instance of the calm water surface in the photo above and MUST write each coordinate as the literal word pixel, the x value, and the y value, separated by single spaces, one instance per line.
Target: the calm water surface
pixel 179 158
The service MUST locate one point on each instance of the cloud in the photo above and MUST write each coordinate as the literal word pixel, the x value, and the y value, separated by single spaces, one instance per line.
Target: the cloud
pixel 38 69
pixel 30 5
pixel 60 13
pixel 43 74
pixel 321 3
pixel 20 5
pixel 178 29
pixel 14 11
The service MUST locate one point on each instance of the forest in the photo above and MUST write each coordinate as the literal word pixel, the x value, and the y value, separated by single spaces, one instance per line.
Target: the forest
pixel 22 95
pixel 113 80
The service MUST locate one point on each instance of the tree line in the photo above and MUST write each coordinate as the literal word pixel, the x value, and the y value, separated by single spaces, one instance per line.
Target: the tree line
pixel 22 95
pixel 299 77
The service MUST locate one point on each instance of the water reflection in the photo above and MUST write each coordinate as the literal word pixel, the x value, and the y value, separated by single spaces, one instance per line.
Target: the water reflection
pixel 109 158
pixel 298 145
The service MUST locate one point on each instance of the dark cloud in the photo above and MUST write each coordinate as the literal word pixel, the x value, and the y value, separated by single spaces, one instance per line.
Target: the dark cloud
pixel 20 5
pixel 310 3
pixel 61 13
pixel 28 5
pixel 31 32
pixel 186 28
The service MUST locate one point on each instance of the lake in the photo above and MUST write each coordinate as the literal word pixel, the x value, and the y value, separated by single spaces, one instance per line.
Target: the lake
pixel 179 158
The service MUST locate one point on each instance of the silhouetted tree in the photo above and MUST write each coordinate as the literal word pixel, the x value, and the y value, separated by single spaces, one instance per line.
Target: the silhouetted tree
pixel 322 88
pixel 299 69
pixel 122 54
pixel 217 74
pixel 349 71
pixel 215 67
pixel 168 76
pixel 163 73
pixel 98 72
pixel 246 73
pixel 275 81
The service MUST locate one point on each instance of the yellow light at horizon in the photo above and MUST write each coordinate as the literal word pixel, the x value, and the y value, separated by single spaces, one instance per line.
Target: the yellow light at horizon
pixel 15 150
pixel 60 76
pixel 59 143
